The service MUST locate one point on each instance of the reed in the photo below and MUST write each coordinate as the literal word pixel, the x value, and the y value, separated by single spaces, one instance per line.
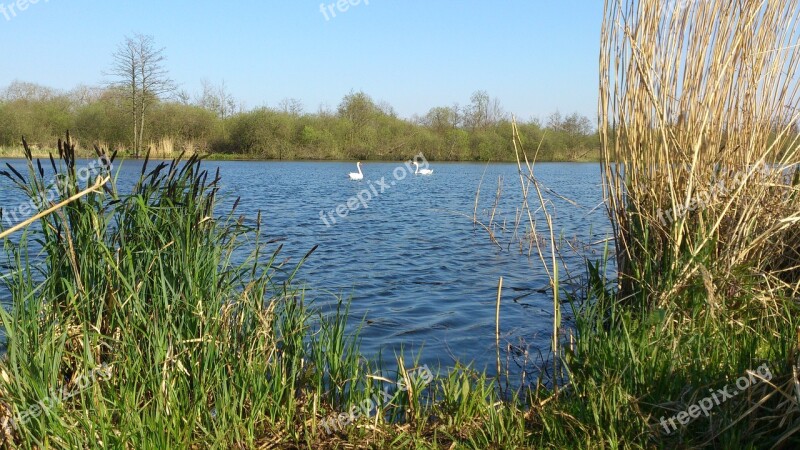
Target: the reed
pixel 203 339
pixel 151 319
pixel 164 148
pixel 695 100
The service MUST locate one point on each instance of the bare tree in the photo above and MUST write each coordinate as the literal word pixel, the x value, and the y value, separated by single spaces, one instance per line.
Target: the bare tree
pixel 387 109
pixel 138 70
pixel 20 90
pixel 555 121
pixel 441 119
pixel 217 99
pixel 291 106
pixel 183 97
pixel 483 111
pixel 458 114
pixel 496 113
pixel 324 110
pixel 83 95
pixel 126 80
pixel 477 113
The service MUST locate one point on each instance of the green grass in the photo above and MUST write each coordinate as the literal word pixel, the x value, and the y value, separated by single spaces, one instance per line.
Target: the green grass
pixel 200 349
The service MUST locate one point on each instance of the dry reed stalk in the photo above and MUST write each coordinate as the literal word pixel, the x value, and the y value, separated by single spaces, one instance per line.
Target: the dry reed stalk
pixel 497 196
pixel 527 179
pixel 497 326
pixel 478 196
pixel 162 148
pixel 97 187
pixel 694 99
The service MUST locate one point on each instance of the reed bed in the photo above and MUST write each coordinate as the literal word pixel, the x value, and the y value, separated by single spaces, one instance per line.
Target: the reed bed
pixel 198 347
pixel 150 319
pixel 699 113
pixel 698 121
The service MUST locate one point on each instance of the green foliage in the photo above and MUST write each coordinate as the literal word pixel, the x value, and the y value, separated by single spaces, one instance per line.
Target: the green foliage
pixel 185 123
pixel 104 122
pixel 43 120
pixel 633 364
pixel 359 129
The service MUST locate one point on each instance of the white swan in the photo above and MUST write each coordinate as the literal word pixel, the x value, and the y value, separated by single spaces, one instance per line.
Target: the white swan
pixel 421 171
pixel 357 175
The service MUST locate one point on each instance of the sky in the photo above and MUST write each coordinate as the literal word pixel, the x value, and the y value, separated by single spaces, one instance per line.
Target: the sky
pixel 535 56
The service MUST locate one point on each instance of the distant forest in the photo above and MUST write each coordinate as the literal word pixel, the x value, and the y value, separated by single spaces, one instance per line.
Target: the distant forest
pixel 213 122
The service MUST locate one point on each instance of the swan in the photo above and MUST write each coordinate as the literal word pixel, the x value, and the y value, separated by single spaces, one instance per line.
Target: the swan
pixel 421 171
pixel 357 175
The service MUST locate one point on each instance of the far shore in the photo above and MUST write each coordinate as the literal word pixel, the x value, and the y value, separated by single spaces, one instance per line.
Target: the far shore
pixel 18 153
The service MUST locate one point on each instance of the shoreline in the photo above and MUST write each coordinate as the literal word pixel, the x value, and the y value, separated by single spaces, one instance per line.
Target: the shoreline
pixel 218 157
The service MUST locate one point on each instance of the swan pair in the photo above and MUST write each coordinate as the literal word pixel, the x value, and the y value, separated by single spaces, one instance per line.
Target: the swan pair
pixel 357 176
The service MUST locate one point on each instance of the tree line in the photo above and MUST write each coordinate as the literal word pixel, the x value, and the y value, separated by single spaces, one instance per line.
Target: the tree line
pixel 143 110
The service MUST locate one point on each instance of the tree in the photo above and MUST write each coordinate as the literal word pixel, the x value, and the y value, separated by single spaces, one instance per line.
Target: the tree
pixel 217 99
pixel 554 121
pixel 577 125
pixel 386 109
pixel 483 112
pixel 29 92
pixel 138 69
pixel 105 121
pixel 441 119
pixel 83 95
pixel 183 97
pixel 357 107
pixel 359 112
pixel 291 106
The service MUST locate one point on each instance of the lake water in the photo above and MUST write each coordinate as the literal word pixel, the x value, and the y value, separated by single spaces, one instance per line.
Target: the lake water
pixel 419 272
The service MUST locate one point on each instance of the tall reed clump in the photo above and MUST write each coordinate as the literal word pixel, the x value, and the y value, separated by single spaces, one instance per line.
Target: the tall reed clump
pixel 139 321
pixel 699 105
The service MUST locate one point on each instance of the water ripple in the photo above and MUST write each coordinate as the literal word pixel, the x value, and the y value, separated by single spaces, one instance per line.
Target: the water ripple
pixel 420 274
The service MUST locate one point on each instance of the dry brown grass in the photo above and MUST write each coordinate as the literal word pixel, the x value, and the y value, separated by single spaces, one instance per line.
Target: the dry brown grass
pixel 695 99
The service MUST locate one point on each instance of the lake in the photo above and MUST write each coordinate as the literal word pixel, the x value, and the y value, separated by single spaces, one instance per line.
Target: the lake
pixel 421 275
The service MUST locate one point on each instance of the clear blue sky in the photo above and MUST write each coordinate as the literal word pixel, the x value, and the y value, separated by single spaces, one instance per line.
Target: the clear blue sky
pixel 536 56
